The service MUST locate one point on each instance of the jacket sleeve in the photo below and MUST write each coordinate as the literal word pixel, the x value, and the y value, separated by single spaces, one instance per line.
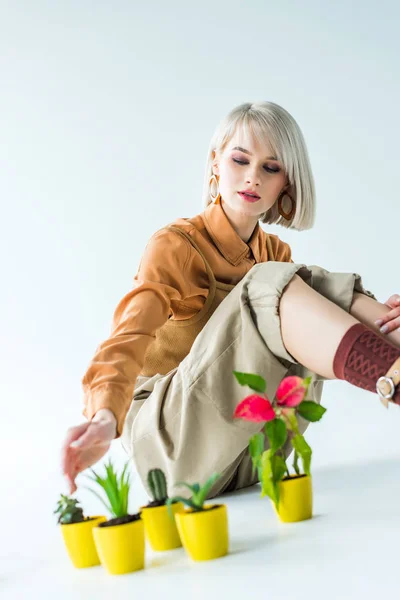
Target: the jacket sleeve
pixel 161 279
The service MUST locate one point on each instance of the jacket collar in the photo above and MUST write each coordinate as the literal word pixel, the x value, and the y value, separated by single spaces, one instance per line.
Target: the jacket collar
pixel 227 240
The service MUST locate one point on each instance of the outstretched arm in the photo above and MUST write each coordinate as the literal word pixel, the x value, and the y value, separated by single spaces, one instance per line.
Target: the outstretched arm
pixel 110 378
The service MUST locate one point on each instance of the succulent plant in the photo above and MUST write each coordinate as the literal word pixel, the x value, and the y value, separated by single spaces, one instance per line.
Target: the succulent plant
pixel 69 511
pixel 157 484
pixel 199 494
pixel 116 489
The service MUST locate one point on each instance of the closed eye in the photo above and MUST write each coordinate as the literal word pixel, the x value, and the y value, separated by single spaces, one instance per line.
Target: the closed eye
pixel 268 169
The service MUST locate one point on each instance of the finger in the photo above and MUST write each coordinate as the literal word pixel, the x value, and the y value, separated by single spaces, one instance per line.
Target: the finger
pixel 89 438
pixel 390 326
pixel 389 316
pixel 73 434
pixel 69 466
pixel 74 468
pixel 393 301
pixel 71 483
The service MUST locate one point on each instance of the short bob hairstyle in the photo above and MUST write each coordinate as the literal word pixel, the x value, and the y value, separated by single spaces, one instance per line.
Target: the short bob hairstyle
pixel 271 124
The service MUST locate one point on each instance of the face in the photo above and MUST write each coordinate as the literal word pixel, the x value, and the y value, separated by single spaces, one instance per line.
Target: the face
pixel 247 165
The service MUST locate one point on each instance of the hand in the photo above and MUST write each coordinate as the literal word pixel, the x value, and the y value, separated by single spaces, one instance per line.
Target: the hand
pixel 391 320
pixel 85 444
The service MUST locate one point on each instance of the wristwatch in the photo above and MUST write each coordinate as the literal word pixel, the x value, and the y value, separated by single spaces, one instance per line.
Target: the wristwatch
pixel 386 385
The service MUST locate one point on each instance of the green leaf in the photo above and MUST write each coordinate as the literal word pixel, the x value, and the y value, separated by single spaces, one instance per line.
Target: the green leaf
pixel 202 495
pixel 293 424
pixel 311 411
pixel 124 496
pixel 304 450
pixel 195 488
pixel 170 501
pixel 256 444
pixel 278 468
pixel 256 448
pixel 296 463
pixel 268 486
pixel 69 511
pixel 111 489
pixel 199 493
pixel 95 477
pixel 124 489
pixel 108 507
pixel 307 381
pixel 255 382
pixel 116 489
pixel 277 434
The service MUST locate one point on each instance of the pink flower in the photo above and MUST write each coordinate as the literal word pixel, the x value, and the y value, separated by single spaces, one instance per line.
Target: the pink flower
pixel 255 408
pixel 291 391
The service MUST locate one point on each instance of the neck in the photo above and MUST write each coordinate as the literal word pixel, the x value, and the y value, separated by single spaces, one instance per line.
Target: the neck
pixel 244 225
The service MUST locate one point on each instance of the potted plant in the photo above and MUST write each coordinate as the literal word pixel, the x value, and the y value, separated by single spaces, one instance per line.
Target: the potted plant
pixel 120 540
pixel 77 532
pixel 160 529
pixel 203 529
pixel 291 494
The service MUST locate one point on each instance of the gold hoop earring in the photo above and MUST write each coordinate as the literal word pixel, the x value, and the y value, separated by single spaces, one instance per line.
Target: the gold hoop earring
pixel 214 181
pixel 286 215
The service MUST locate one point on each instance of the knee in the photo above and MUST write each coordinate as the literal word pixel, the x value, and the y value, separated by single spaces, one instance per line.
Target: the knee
pixel 294 287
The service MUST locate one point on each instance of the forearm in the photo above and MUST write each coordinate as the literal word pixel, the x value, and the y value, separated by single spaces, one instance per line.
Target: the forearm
pixel 367 311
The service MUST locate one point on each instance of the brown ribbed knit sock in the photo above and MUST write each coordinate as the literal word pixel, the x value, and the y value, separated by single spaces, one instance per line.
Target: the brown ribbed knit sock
pixel 363 356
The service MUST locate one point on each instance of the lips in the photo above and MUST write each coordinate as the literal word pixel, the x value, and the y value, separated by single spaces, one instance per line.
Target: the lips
pixel 248 197
pixel 250 193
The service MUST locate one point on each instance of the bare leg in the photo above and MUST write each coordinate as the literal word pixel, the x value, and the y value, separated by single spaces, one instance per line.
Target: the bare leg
pixel 313 326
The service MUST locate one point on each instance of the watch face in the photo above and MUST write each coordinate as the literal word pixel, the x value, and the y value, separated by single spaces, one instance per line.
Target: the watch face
pixel 385 389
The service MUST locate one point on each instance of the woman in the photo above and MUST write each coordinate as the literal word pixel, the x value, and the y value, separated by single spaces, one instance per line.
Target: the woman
pixel 216 293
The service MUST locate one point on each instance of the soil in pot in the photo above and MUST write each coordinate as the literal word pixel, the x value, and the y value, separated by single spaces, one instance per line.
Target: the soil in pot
pixel 206 509
pixel 120 520
pixel 85 520
pixel 156 503
pixel 293 477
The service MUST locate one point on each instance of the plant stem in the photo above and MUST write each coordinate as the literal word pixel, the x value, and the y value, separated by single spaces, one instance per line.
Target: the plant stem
pixel 287 468
pixel 283 456
pixel 295 463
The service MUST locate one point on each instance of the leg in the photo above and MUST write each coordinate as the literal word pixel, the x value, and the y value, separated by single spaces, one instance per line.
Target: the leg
pixel 183 421
pixel 313 326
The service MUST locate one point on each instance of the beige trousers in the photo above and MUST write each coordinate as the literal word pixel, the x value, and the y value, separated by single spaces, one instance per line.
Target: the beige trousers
pixel 182 422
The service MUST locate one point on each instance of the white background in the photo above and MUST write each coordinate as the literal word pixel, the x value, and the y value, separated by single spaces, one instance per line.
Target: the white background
pixel 106 112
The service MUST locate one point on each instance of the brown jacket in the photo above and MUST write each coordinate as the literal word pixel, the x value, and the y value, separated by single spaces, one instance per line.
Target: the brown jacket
pixel 171 284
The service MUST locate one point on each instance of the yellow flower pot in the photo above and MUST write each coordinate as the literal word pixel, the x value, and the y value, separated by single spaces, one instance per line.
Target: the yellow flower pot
pixel 160 528
pixel 204 534
pixel 78 539
pixel 296 499
pixel 121 547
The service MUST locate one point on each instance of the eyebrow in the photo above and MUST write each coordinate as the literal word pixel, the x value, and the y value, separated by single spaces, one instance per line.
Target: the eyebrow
pixel 247 152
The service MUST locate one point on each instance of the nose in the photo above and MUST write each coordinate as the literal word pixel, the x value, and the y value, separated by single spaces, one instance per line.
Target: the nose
pixel 251 176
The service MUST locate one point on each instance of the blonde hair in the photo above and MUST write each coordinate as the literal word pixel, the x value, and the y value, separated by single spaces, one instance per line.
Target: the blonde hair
pixel 271 123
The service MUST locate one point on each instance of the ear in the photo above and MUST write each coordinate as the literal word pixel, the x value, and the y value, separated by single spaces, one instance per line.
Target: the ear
pixel 215 166
pixel 288 188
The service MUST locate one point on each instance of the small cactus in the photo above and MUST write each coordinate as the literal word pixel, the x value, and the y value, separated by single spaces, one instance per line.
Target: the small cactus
pixel 157 484
pixel 68 511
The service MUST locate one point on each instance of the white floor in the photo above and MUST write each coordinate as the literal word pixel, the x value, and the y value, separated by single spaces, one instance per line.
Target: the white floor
pixel 350 549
